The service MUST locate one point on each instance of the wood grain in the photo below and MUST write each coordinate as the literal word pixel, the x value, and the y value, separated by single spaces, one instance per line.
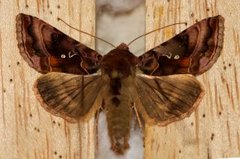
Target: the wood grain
pixel 213 131
pixel 26 129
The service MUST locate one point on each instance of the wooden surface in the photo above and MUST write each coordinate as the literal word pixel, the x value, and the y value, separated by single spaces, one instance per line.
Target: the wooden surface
pixel 213 131
pixel 26 129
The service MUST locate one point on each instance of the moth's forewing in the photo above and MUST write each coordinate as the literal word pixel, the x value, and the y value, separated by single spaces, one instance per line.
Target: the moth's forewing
pixel 72 97
pixel 193 51
pixel 162 100
pixel 46 49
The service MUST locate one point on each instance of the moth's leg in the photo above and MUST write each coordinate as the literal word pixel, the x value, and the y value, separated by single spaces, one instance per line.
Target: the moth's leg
pixel 96 122
pixel 96 127
pixel 137 115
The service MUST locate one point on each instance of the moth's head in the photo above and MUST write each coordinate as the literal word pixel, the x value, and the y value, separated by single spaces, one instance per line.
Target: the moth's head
pixel 119 62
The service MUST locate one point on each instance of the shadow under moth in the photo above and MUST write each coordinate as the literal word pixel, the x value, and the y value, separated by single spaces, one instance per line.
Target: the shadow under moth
pixel 160 84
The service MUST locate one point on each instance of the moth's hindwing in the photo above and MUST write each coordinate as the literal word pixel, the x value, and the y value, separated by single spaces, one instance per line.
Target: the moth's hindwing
pixel 193 51
pixel 166 99
pixel 72 97
pixel 46 49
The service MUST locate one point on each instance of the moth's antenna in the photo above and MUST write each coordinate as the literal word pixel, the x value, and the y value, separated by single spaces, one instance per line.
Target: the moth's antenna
pixel 86 33
pixel 154 31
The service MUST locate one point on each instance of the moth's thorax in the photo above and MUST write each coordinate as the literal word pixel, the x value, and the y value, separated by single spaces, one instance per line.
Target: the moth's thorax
pixel 119 62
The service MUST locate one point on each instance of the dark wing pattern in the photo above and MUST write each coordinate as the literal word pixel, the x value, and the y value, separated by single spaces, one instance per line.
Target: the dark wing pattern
pixel 162 100
pixel 193 51
pixel 46 49
pixel 72 97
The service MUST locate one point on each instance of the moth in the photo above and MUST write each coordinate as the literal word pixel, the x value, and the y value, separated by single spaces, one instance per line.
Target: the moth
pixel 160 84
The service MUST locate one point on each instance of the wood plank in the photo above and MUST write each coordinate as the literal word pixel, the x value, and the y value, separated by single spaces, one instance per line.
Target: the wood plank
pixel 26 129
pixel 213 130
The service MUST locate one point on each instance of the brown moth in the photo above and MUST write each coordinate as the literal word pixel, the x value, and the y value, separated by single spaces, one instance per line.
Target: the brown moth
pixel 77 80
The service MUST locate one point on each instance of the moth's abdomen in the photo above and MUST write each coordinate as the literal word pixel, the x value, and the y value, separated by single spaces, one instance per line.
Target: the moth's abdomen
pixel 118 99
pixel 118 110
